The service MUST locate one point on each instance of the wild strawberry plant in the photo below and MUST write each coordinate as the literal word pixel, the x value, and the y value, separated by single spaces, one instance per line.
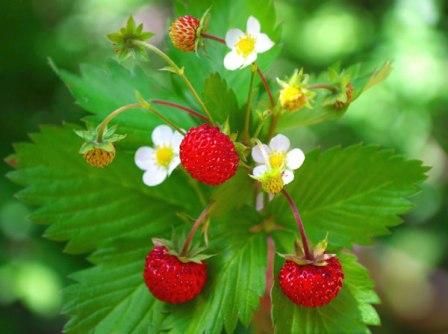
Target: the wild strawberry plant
pixel 198 213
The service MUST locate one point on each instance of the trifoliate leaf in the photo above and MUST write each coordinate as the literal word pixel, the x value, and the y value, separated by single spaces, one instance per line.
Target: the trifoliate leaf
pixel 86 206
pixel 354 194
pixel 350 312
pixel 236 279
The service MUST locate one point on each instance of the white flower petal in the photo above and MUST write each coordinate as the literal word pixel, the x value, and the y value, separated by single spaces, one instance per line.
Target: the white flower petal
pixel 233 61
pixel 279 143
pixel 174 163
pixel 259 170
pixel 154 177
pixel 176 139
pixel 252 26
pixel 161 136
pixel 144 157
pixel 232 36
pixel 287 176
pixel 295 158
pixel 249 60
pixel 257 154
pixel 263 43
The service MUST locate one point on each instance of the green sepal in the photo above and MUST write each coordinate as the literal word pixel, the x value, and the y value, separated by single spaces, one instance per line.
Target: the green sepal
pixel 194 254
pixel 319 254
pixel 203 26
pixel 123 40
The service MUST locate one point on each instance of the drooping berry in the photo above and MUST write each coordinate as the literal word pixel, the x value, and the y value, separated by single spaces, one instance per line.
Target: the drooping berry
pixel 183 32
pixel 208 155
pixel 311 285
pixel 171 280
pixel 99 157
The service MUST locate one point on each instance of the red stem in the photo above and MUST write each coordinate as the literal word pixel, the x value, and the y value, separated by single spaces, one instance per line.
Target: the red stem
pixel 202 218
pixel 183 108
pixel 266 87
pixel 303 236
pixel 213 37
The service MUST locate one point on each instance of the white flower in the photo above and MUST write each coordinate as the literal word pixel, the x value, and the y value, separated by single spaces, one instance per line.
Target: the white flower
pixel 245 46
pixel 160 161
pixel 277 157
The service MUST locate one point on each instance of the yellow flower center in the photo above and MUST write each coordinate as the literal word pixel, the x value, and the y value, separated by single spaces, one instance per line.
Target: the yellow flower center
pixel 272 183
pixel 164 155
pixel 245 46
pixel 277 160
pixel 292 97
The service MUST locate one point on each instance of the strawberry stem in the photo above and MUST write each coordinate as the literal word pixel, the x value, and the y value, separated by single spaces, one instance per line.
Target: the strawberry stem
pixel 177 70
pixel 213 37
pixel 329 87
pixel 103 125
pixel 201 219
pixel 303 236
pixel 183 108
pixel 246 134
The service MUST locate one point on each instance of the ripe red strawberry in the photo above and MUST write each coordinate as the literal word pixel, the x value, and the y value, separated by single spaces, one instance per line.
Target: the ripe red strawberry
pixel 183 32
pixel 171 280
pixel 311 285
pixel 208 155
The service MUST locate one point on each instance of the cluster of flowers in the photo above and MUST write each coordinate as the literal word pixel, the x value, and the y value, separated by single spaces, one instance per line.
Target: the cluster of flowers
pixel 310 277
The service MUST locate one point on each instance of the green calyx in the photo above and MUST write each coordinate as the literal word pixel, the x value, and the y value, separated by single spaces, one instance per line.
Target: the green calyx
pixel 194 254
pixel 123 40
pixel 319 255
pixel 203 25
pixel 91 142
pixel 343 94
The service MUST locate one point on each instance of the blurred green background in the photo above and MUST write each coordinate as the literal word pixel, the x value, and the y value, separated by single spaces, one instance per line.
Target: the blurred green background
pixel 407 113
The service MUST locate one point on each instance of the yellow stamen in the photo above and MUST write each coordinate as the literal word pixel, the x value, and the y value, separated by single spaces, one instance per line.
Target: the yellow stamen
pixel 164 156
pixel 277 160
pixel 292 97
pixel 245 46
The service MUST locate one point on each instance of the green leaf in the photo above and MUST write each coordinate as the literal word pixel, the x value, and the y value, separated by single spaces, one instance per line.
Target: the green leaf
pixel 112 297
pixel 88 206
pixel 350 312
pixel 354 194
pixel 236 279
pixel 100 90
pixel 221 102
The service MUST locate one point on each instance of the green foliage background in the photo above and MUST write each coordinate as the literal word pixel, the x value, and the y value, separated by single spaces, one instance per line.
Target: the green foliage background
pixel 405 113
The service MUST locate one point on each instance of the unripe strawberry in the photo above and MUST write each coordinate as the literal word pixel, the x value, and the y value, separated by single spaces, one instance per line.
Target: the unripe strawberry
pixel 99 157
pixel 311 285
pixel 208 155
pixel 171 280
pixel 183 33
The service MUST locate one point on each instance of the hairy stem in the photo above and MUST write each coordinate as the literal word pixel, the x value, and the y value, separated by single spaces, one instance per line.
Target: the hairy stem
pixel 303 236
pixel 329 87
pixel 246 134
pixel 103 125
pixel 213 37
pixel 164 119
pixel 183 108
pixel 201 219
pixel 266 87
pixel 179 71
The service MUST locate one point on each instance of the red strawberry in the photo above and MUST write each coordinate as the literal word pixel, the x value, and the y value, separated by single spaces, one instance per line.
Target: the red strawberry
pixel 171 280
pixel 311 285
pixel 208 155
pixel 183 32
